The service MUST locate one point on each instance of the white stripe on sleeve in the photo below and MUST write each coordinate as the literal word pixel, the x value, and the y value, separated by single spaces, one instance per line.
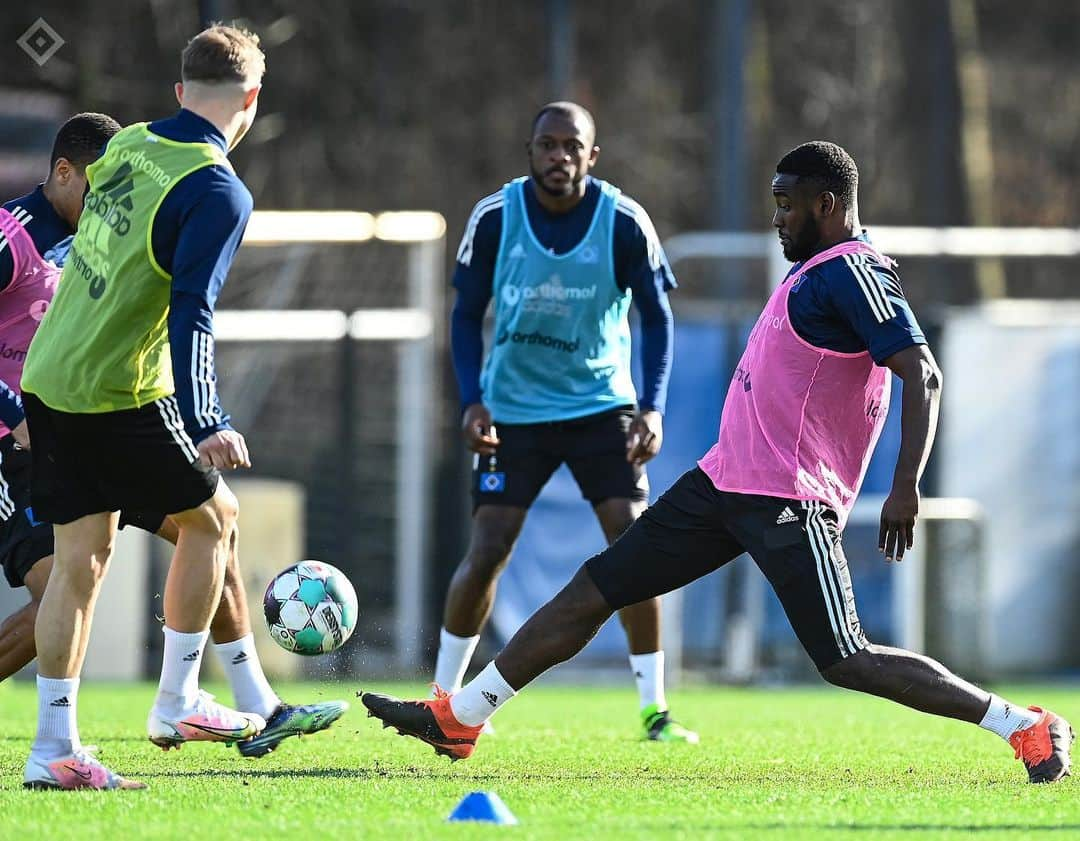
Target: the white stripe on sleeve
pixel 170 415
pixel 872 288
pixel 484 206
pixel 628 207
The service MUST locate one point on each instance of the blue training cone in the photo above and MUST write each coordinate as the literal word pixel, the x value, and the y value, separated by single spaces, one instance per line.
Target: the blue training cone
pixel 484 806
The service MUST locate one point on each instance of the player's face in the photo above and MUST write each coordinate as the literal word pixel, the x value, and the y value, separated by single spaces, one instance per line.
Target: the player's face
pixel 251 107
pixel 794 218
pixel 561 153
pixel 71 187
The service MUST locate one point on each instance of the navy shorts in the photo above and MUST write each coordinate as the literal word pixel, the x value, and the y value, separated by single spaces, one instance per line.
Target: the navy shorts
pixel 593 447
pixel 694 529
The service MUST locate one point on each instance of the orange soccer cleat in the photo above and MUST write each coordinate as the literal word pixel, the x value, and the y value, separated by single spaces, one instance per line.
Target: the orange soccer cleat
pixel 431 721
pixel 1044 747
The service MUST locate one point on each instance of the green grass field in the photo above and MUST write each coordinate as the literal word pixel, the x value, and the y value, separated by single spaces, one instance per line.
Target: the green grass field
pixel 773 763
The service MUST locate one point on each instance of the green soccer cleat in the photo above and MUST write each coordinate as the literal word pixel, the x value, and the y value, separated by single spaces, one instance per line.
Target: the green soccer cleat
pixel 661 727
pixel 289 720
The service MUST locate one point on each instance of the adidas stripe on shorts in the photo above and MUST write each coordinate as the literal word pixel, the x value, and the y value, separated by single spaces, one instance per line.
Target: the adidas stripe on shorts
pixel 694 529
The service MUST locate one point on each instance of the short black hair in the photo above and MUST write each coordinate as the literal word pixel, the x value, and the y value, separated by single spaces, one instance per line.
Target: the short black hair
pixel 570 110
pixel 82 138
pixel 826 164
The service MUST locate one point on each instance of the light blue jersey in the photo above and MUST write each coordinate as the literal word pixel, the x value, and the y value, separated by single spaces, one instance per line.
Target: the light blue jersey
pixel 562 337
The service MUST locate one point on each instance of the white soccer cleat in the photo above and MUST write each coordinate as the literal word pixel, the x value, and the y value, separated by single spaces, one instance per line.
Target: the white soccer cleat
pixel 203 721
pixel 74 771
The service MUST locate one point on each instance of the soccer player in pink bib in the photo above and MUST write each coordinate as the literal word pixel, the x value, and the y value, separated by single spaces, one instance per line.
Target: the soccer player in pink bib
pixel 802 415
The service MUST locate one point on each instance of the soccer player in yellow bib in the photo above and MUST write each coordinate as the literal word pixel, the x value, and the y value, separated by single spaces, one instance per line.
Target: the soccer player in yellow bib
pixel 121 402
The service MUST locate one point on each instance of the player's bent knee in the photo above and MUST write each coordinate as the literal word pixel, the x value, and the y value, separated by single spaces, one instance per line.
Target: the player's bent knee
pixel 854 672
pixel 216 517
pixel 84 571
pixel 488 558
pixel 227 507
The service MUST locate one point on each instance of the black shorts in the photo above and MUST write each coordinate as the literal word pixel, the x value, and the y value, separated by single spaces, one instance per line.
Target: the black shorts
pixel 694 529
pixel 136 460
pixel 593 447
pixel 24 539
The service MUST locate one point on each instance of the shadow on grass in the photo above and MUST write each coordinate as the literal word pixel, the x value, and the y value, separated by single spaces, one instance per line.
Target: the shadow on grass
pixel 438 773
pixel 283 773
pixel 909 827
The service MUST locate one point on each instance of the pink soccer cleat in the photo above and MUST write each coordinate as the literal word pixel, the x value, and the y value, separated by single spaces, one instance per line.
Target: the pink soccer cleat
pixel 203 721
pixel 77 770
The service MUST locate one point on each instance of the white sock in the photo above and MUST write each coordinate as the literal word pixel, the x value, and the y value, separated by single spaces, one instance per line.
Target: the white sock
pixel 648 672
pixel 481 696
pixel 454 656
pixel 1005 718
pixel 179 684
pixel 57 730
pixel 251 690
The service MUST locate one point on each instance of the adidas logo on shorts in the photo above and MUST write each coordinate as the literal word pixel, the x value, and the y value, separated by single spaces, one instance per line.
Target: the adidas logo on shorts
pixel 787 516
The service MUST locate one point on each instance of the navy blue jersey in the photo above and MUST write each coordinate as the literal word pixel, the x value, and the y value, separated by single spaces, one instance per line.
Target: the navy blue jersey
pixel 640 266
pixel 853 304
pixel 196 233
pixel 46 227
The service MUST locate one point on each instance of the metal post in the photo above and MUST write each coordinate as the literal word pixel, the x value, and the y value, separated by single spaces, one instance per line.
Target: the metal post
pixel 418 395
pixel 560 47
pixel 727 57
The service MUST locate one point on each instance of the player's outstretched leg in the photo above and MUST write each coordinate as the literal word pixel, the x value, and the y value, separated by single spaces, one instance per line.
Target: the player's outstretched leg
pixel 555 633
pixel 181 711
pixel 1041 739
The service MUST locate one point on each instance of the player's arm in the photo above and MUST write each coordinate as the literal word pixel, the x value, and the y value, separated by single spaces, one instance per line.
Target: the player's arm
pixel 921 399
pixel 473 279
pixel 641 266
pixel 869 297
pixel 211 232
pixel 11 413
pixel 11 407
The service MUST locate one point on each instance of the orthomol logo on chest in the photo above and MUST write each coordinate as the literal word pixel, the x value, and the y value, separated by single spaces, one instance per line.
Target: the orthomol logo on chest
pixel 550 290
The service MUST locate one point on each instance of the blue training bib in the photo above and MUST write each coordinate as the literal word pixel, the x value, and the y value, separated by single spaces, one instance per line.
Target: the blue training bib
pixel 562 337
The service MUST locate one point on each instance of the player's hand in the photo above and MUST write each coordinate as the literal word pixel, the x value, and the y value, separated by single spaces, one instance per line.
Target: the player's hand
pixel 898 516
pixel 479 434
pixel 21 435
pixel 644 437
pixel 225 450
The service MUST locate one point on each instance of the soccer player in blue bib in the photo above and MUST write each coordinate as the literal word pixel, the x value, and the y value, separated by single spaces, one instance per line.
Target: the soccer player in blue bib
pixel 560 254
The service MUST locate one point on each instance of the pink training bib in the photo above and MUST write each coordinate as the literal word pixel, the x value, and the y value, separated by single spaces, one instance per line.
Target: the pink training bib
pixel 23 302
pixel 800 422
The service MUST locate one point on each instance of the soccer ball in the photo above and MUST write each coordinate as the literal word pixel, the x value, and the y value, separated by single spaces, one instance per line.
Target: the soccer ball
pixel 310 608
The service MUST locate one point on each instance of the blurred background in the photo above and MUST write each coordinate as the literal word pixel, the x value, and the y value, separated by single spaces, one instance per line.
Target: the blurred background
pixel 961 114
